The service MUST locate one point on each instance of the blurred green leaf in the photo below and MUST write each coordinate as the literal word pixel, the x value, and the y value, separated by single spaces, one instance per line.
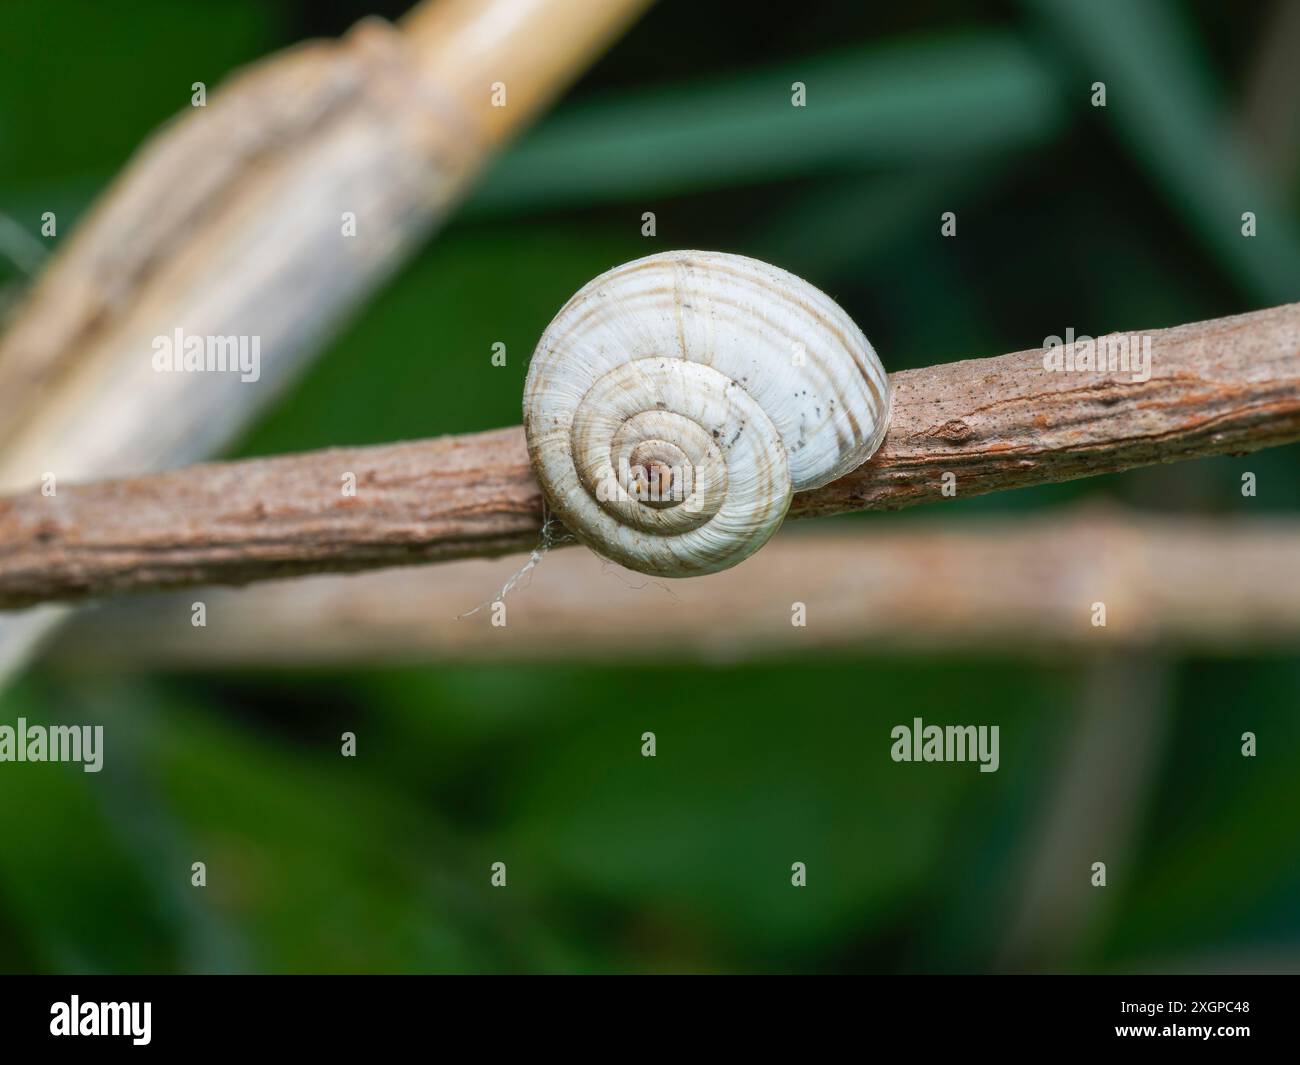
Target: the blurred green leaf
pixel 67 876
pixel 1164 104
pixel 897 104
pixel 71 111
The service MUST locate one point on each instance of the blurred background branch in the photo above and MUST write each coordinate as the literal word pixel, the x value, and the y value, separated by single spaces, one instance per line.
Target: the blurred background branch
pixel 233 221
pixel 1025 587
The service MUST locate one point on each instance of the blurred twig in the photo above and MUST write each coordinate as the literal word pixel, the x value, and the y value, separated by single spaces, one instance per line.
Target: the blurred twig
pixel 230 222
pixel 1023 587
pixel 1230 385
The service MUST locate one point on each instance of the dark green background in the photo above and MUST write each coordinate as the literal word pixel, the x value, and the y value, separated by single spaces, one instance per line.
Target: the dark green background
pixel 1126 218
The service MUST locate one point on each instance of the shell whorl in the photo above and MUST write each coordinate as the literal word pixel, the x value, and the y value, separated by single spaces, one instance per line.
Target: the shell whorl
pixel 676 402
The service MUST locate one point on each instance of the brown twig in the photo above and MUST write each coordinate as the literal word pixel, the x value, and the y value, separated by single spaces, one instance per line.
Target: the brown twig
pixel 1230 385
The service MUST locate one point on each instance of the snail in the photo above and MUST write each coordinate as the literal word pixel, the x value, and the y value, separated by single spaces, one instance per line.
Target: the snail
pixel 675 404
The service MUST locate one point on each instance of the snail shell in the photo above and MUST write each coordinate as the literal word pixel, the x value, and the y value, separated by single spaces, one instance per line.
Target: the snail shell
pixel 676 403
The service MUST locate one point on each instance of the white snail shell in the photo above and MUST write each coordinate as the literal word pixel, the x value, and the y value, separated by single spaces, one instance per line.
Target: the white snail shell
pixel 677 401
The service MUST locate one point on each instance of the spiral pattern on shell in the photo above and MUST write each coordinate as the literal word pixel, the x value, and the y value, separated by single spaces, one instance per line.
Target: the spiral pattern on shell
pixel 676 402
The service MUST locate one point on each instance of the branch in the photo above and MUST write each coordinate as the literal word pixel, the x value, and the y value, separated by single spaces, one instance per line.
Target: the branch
pixel 1019 587
pixel 1226 386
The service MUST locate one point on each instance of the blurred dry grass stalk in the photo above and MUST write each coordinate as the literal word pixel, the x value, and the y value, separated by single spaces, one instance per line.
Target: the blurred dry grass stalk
pixel 228 223
pixel 1017 587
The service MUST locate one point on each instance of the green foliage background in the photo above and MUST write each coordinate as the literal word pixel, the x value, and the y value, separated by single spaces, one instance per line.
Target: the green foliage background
pixel 1123 218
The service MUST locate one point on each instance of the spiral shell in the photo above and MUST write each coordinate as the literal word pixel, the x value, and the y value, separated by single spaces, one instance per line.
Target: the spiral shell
pixel 676 402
